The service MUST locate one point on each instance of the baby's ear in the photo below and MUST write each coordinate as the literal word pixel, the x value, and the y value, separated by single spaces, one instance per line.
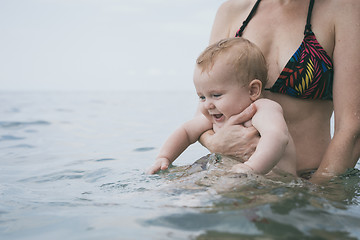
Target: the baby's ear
pixel 255 87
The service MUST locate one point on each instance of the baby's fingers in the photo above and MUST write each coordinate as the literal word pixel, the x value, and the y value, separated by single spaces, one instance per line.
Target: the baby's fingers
pixel 164 166
pixel 153 170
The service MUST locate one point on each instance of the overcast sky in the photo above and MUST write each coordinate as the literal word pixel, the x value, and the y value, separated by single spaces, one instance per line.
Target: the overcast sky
pixel 102 44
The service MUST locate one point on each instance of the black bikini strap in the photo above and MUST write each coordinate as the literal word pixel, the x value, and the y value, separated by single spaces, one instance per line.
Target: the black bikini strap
pixel 308 20
pixel 247 20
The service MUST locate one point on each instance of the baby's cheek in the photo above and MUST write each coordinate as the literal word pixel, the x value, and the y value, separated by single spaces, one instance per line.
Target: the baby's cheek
pixel 204 111
pixel 207 115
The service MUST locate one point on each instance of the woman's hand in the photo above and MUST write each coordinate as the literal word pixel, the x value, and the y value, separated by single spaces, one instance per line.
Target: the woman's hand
pixel 233 139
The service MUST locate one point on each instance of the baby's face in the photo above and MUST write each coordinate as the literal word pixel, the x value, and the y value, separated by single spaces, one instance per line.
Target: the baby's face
pixel 220 94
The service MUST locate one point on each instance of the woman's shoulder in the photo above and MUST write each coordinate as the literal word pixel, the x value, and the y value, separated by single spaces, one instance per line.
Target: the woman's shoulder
pixel 236 5
pixel 339 8
pixel 346 8
pixel 345 15
pixel 229 17
pixel 342 4
pixel 239 3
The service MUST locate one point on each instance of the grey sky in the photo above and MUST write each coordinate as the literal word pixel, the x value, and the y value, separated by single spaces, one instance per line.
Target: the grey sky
pixel 102 44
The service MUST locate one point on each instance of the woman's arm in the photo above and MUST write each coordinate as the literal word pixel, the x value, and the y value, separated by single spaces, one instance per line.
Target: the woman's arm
pixel 344 149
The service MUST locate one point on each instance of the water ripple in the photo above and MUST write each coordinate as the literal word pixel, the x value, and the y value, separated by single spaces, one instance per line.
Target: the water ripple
pixel 23 146
pixel 62 175
pixel 144 149
pixel 10 138
pixel 105 159
pixel 90 176
pixel 96 175
pixel 18 124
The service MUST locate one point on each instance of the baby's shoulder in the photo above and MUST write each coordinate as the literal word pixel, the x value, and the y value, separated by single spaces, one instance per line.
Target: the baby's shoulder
pixel 267 104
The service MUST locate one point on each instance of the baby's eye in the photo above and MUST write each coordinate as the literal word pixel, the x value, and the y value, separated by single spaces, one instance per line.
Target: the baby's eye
pixel 216 95
pixel 202 98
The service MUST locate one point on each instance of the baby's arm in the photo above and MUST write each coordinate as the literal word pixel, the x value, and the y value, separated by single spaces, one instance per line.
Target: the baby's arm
pixel 270 123
pixel 179 140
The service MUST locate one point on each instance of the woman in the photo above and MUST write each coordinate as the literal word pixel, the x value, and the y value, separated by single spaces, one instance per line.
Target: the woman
pixel 321 77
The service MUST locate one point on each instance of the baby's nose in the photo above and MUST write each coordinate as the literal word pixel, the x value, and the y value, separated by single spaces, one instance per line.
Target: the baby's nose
pixel 209 105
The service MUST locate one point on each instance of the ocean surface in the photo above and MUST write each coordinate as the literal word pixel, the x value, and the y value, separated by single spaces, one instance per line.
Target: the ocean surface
pixel 72 167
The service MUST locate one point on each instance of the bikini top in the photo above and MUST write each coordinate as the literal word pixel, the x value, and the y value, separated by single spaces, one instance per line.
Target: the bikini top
pixel 309 72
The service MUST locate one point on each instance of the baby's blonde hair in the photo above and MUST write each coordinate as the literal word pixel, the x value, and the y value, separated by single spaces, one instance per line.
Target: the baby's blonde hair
pixel 246 58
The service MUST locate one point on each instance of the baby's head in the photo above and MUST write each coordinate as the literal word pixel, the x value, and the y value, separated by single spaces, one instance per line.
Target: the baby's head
pixel 229 76
pixel 243 57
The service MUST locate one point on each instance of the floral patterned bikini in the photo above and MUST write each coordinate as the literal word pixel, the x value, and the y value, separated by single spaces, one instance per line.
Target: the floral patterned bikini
pixel 309 72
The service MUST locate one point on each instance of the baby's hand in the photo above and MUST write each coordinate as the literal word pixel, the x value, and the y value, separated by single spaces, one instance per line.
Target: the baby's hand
pixel 160 164
pixel 241 168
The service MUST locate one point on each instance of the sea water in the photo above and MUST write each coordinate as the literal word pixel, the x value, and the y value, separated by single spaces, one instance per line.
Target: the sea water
pixel 72 167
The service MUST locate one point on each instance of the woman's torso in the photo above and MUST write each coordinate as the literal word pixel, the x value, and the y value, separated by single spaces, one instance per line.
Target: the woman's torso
pixel 278 29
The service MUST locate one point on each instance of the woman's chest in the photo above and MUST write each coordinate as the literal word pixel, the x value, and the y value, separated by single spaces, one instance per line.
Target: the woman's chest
pixel 279 32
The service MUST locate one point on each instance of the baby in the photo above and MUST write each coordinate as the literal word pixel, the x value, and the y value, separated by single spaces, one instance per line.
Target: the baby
pixel 229 76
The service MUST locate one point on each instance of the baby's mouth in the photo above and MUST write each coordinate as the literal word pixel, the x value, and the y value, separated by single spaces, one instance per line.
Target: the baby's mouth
pixel 217 116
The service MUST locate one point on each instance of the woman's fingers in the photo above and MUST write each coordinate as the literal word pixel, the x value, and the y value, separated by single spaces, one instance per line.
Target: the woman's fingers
pixel 242 117
pixel 236 140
